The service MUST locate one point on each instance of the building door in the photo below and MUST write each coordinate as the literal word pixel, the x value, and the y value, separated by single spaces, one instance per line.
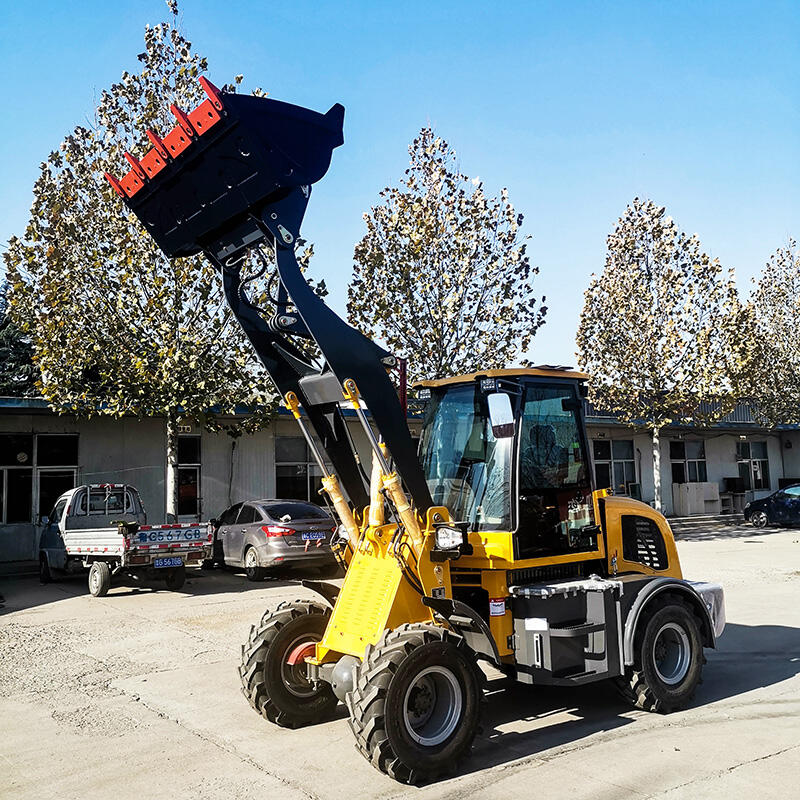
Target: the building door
pixel 52 484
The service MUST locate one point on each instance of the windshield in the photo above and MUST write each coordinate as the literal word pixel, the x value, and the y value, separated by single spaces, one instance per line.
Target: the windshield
pixel 467 469
pixel 287 512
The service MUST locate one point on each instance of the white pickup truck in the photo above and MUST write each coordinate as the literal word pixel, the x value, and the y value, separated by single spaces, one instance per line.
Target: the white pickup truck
pixel 103 527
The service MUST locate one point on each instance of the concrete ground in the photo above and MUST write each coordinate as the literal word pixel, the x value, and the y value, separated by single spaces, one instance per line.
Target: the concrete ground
pixel 136 695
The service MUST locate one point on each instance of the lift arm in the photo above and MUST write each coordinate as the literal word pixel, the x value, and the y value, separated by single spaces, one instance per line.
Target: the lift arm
pixel 234 176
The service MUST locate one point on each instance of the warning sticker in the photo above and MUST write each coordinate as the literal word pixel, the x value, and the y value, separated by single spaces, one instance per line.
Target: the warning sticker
pixel 497 607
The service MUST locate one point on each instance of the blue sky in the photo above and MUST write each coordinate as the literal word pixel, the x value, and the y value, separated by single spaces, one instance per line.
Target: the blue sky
pixel 575 107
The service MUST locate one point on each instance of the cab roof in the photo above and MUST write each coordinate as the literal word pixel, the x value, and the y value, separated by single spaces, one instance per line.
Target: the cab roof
pixel 543 371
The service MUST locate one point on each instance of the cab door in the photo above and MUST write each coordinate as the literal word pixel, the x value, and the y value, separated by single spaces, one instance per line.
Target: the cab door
pixel 786 506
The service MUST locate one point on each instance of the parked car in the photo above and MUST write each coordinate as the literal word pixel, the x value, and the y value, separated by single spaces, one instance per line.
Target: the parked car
pixel 102 528
pixel 780 508
pixel 264 535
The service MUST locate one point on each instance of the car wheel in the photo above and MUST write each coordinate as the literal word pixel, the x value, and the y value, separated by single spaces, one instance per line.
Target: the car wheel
pixel 45 576
pixel 252 569
pixel 759 519
pixel 99 579
pixel 175 578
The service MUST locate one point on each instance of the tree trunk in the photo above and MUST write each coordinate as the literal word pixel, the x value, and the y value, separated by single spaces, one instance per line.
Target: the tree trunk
pixel 172 468
pixel 657 469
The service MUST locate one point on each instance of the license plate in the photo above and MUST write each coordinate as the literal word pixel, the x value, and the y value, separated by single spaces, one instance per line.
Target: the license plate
pixel 313 535
pixel 168 562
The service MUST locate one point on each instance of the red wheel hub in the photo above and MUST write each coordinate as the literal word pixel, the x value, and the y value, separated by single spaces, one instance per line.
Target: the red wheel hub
pixel 300 653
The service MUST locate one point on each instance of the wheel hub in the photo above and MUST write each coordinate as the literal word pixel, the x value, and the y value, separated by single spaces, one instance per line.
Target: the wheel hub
pixel 432 706
pixel 293 666
pixel 671 653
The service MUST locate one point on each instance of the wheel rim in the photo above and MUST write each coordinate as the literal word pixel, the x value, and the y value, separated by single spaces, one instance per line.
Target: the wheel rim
pixel 432 706
pixel 94 579
pixel 294 676
pixel 759 519
pixel 251 559
pixel 671 653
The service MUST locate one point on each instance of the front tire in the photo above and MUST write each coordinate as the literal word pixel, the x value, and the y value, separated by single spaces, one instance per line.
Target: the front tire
pixel 277 689
pixel 45 576
pixel 668 659
pixel 759 519
pixel 415 704
pixel 99 579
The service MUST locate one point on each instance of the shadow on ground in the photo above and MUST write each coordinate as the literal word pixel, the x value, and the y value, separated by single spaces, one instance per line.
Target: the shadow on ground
pixel 19 593
pixel 749 657
pixel 733 531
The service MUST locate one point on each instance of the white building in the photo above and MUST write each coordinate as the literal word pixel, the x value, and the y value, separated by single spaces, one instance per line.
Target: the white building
pixel 42 454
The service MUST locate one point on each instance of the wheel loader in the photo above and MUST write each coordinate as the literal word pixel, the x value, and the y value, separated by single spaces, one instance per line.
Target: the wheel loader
pixel 486 544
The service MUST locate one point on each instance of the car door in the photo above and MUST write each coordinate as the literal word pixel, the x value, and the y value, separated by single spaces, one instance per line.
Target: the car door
pixel 247 516
pixel 227 524
pixel 792 505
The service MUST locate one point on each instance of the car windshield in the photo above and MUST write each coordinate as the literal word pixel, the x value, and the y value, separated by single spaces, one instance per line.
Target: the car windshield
pixel 467 469
pixel 288 512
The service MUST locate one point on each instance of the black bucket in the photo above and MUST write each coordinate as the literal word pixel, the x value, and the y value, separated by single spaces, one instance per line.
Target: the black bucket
pixel 224 162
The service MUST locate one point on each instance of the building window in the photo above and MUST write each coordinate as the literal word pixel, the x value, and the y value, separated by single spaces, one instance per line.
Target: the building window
pixel 297 477
pixel 34 471
pixel 688 461
pixel 189 462
pixel 753 464
pixel 614 465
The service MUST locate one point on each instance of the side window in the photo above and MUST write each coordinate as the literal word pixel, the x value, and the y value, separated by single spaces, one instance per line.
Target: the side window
pixel 229 517
pixel 246 515
pixel 793 491
pixel 55 514
pixel 643 543
pixel 79 504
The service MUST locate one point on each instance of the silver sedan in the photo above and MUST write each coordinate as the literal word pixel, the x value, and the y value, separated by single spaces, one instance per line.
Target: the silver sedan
pixel 267 535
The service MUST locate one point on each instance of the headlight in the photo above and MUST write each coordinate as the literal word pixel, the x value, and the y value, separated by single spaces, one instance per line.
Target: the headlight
pixel 747 505
pixel 448 538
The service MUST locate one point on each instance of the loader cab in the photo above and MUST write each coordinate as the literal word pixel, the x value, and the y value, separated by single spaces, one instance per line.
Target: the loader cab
pixel 531 477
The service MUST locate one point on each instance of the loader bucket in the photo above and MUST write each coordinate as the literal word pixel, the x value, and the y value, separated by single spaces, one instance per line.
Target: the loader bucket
pixel 224 161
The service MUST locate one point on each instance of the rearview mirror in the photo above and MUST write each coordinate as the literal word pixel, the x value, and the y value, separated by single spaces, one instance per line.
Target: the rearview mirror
pixel 501 416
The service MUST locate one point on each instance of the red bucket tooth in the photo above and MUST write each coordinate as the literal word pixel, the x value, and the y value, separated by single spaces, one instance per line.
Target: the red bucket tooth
pixel 214 94
pixel 158 144
pixel 115 184
pixel 136 164
pixel 183 121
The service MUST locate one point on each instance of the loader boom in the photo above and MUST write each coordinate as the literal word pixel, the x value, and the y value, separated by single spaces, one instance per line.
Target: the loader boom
pixel 234 178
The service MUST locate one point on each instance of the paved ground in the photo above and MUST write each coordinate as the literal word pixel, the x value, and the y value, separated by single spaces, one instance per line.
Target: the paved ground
pixel 136 695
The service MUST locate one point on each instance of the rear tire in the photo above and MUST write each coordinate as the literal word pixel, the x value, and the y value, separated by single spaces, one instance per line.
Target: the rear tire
pixel 416 701
pixel 252 569
pixel 99 579
pixel 176 578
pixel 668 659
pixel 279 691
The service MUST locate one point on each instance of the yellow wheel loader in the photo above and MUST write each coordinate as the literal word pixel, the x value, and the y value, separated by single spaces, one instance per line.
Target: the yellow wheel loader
pixel 486 544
